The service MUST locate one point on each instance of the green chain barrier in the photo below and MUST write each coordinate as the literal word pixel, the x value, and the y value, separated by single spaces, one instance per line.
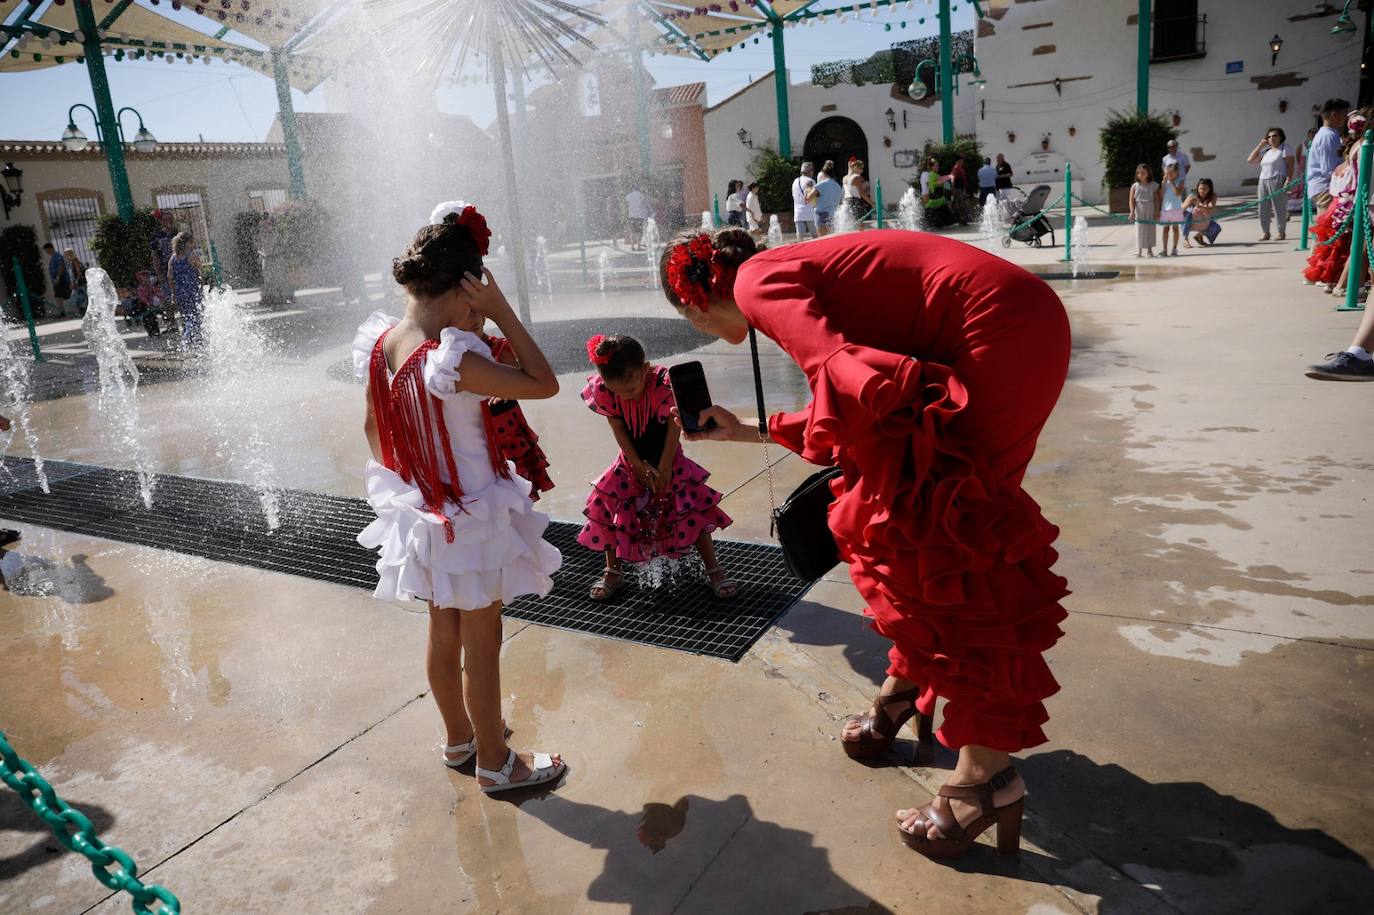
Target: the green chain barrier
pixel 1241 208
pixel 1355 267
pixel 77 834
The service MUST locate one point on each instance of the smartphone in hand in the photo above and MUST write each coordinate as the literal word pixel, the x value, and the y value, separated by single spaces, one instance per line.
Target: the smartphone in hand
pixel 689 390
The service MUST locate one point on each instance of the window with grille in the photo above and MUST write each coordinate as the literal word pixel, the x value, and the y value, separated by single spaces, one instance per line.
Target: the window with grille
pixel 187 206
pixel 1180 33
pixel 267 200
pixel 69 217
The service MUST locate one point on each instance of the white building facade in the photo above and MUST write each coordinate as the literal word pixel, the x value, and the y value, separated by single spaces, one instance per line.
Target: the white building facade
pixel 1056 69
pixel 835 123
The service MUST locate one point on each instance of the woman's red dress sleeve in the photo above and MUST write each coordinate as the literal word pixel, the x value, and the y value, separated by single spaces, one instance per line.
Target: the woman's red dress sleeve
pixel 854 386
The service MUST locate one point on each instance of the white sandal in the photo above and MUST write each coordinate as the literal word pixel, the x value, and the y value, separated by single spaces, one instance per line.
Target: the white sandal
pixel 544 770
pixel 465 752
pixel 725 583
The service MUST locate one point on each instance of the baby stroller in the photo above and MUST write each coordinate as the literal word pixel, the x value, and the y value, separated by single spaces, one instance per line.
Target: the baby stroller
pixel 1028 222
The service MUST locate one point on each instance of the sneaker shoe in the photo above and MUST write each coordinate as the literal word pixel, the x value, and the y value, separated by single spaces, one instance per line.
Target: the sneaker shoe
pixel 1342 366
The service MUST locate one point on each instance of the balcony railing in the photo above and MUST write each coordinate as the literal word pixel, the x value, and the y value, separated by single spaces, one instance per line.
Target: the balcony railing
pixel 1179 38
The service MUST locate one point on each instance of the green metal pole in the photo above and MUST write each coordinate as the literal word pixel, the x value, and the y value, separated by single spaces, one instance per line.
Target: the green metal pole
pixel 946 86
pixel 646 156
pixel 1355 276
pixel 1068 212
pixel 780 87
pixel 287 114
pixel 878 202
pixel 1142 61
pixel 1306 209
pixel 517 230
pixel 105 111
pixel 715 208
pixel 23 289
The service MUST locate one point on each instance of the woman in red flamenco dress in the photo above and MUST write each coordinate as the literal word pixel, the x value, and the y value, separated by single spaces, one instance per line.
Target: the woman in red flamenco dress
pixel 1326 264
pixel 933 366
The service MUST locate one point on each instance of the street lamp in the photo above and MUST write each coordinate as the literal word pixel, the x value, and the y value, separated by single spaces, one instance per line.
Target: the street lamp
pixel 917 90
pixel 75 140
pixel 744 138
pixel 1275 44
pixel 891 119
pixel 13 191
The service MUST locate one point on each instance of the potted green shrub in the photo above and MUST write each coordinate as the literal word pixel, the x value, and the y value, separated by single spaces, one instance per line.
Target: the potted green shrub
pixel 21 241
pixel 1127 140
pixel 124 247
pixel 775 176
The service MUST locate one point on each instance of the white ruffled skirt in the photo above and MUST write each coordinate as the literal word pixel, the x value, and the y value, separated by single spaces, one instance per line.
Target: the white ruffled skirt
pixel 497 553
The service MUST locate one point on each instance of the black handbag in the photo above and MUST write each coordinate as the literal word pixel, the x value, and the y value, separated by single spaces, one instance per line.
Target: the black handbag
pixel 801 523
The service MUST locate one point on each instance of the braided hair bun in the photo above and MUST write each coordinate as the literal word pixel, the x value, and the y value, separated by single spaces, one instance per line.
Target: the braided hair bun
pixel 437 259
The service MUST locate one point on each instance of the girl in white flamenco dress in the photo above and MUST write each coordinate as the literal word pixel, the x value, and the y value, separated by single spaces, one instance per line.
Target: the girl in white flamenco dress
pixel 455 524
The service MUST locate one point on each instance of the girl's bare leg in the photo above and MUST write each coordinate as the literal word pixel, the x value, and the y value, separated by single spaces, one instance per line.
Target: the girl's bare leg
pixel 706 547
pixel 444 666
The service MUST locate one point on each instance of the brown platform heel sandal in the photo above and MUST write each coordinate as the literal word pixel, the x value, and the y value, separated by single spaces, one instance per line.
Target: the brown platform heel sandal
pixel 955 840
pixel 878 731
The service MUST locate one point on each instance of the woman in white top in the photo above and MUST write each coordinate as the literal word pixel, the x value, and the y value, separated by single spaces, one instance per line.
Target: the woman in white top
pixel 1276 162
pixel 753 209
pixel 855 190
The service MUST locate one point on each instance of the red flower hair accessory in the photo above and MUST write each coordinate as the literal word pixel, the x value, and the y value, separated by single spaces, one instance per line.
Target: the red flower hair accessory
pixel 466 215
pixel 693 270
pixel 593 345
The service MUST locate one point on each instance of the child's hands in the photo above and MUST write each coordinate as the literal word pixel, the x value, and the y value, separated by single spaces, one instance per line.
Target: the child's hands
pixel 661 480
pixel 647 476
pixel 486 299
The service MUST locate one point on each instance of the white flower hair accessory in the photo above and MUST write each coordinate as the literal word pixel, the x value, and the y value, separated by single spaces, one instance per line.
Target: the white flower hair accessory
pixel 447 208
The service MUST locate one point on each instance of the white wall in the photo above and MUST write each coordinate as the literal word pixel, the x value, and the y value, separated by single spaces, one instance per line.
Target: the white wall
pixel 755 110
pixel 1223 116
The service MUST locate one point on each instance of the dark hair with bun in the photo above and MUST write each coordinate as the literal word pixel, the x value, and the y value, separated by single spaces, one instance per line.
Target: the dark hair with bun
pixel 733 247
pixel 437 259
pixel 622 354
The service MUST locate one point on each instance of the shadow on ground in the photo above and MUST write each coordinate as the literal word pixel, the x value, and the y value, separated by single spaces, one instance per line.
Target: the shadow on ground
pixel 15 816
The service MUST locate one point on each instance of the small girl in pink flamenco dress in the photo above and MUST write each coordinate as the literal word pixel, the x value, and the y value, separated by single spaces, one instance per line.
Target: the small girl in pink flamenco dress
pixel 652 502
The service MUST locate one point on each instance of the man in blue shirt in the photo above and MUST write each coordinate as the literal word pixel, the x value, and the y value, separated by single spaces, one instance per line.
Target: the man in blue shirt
pixel 1325 152
pixel 57 275
pixel 829 193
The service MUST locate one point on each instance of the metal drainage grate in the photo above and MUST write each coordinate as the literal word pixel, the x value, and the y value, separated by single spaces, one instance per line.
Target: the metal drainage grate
pixel 224 521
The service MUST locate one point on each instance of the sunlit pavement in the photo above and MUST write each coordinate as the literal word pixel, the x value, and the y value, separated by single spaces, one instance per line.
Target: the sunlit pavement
pixel 259 742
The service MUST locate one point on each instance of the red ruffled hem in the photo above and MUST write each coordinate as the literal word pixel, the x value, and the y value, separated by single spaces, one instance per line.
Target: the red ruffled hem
pixel 952 561
pixel 519 445
pixel 624 516
pixel 1327 260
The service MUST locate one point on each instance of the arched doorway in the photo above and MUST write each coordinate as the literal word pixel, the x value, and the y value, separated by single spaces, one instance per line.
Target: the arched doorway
pixel 836 138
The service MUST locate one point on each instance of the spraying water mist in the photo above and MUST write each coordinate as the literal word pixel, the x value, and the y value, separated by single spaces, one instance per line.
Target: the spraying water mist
pixel 650 242
pixel 16 395
pixel 911 215
pixel 774 231
pixel 990 225
pixel 603 267
pixel 708 224
pixel 118 377
pixel 1078 254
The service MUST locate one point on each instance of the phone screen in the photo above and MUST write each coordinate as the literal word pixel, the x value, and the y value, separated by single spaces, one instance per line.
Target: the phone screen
pixel 692 395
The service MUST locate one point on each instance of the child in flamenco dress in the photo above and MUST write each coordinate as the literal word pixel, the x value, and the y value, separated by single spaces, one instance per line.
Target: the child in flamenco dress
pixel 514 438
pixel 455 525
pixel 1326 266
pixel 652 501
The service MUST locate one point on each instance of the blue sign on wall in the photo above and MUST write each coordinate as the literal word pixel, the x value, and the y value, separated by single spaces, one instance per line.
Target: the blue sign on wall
pixel 1235 66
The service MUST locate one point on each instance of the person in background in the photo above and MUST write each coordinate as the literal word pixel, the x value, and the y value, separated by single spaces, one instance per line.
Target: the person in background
pixel 1175 156
pixel 987 182
pixel 1295 193
pixel 184 269
pixel 1201 207
pixel 1276 162
pixel 1144 203
pixel 1356 362
pixel 637 211
pixel 804 201
pixel 1325 152
pixel 1171 208
pixel 856 197
pixel 160 250
pixel 753 209
pixel 929 178
pixel 1003 173
pixel 828 197
pixel 57 276
pixel 958 176
pixel 76 275
pixel 734 204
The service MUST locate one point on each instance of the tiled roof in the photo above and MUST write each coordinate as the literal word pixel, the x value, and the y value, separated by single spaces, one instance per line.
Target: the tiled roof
pixel 686 94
